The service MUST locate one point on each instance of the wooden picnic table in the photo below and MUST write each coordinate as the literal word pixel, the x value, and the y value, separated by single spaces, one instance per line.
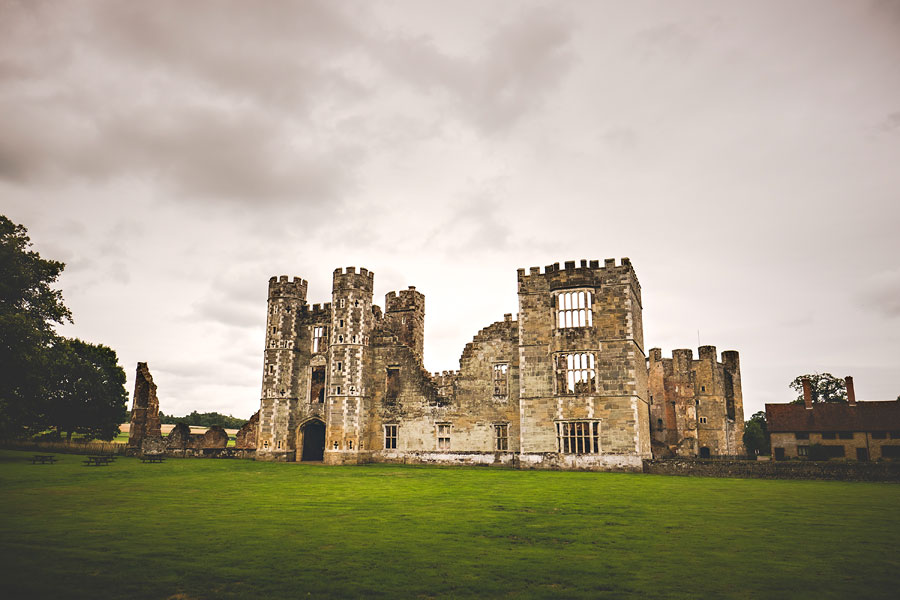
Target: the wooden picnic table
pixel 43 459
pixel 152 458
pixel 98 461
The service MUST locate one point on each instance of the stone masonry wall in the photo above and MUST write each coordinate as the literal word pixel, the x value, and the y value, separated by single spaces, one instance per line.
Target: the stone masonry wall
pixel 837 470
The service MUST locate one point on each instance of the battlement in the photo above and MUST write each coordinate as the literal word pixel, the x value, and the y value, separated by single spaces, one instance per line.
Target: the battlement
pixel 320 310
pixel 349 279
pixel 730 358
pixel 281 287
pixel 586 273
pixel 408 299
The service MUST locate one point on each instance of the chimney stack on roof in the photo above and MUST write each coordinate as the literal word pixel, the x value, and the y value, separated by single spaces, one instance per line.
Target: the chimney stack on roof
pixel 851 393
pixel 807 393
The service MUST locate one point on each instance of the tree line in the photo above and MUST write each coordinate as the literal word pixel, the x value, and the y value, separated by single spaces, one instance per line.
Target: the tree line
pixel 207 419
pixel 49 383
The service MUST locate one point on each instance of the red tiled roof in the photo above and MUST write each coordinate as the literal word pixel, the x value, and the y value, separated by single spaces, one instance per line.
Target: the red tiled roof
pixel 833 416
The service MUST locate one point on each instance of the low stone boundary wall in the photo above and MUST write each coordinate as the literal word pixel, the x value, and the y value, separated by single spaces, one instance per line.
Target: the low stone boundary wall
pixel 837 470
pixel 515 460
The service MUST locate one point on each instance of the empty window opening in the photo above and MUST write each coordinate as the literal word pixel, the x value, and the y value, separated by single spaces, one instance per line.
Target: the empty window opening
pixel 879 435
pixel 575 373
pixel 342 303
pixel 578 437
pixel 335 446
pixel 390 437
pixel 392 384
pixel 354 339
pixel 273 331
pixel 829 435
pixel 802 450
pixel 340 339
pixel 443 436
pixel 340 366
pixel 350 444
pixel 845 435
pixel 702 388
pixel 337 390
pixel 317 384
pixel 501 380
pixel 703 420
pixel 318 339
pixel 573 309
pixel 340 323
pixel 356 303
pixel 801 435
pixel 501 436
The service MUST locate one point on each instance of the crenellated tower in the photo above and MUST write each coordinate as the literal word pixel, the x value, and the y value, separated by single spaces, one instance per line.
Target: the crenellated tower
pixel 280 385
pixel 351 325
pixel 404 315
pixel 696 405
pixel 582 371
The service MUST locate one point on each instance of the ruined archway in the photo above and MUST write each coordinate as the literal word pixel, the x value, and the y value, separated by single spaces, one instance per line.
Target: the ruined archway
pixel 313 435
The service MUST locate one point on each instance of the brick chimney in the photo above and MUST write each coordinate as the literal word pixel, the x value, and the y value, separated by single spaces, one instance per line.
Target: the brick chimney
pixel 807 393
pixel 851 393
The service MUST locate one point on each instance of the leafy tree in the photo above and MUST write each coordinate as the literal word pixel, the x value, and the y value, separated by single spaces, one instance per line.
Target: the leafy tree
pixel 87 392
pixel 825 387
pixel 28 308
pixel 756 434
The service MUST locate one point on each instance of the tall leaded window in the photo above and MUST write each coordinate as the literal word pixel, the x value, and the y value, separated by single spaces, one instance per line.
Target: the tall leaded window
pixel 501 436
pixel 443 436
pixel 390 437
pixel 318 339
pixel 501 380
pixel 575 373
pixel 573 309
pixel 578 437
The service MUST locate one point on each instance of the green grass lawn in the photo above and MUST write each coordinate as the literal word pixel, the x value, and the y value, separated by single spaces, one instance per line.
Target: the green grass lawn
pixel 194 528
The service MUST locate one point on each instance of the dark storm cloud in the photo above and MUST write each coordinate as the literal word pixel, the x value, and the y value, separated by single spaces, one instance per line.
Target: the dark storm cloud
pixel 131 89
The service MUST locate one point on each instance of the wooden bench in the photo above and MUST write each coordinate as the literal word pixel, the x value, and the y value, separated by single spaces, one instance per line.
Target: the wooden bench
pixel 98 461
pixel 43 459
pixel 152 458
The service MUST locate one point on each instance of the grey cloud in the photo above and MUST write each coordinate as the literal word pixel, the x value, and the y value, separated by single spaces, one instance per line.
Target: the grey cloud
pixel 882 293
pixel 519 66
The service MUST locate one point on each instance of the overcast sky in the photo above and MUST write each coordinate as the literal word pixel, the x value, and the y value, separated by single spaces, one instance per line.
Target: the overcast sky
pixel 744 155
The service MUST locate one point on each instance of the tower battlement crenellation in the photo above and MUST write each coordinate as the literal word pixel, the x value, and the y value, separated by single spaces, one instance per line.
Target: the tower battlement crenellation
pixel 728 357
pixel 281 286
pixel 349 278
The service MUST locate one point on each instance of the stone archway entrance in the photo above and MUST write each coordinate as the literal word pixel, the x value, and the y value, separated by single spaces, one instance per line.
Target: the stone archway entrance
pixel 313 434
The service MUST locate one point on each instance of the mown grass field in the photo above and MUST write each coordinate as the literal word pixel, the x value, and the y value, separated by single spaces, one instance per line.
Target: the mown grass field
pixel 194 528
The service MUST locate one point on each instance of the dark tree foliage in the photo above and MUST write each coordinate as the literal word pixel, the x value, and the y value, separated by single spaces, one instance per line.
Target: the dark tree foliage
pixel 28 308
pixel 204 420
pixel 825 387
pixel 756 434
pixel 87 392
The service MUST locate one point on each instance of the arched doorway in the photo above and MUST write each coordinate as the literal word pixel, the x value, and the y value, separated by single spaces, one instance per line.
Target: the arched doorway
pixel 313 440
pixel 704 452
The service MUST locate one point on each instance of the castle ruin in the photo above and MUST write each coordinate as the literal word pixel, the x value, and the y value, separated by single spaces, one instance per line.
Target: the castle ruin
pixel 565 384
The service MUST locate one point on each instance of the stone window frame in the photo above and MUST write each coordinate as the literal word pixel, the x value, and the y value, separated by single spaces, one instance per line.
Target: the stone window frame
pixel 703 420
pixel 442 432
pixel 879 435
pixel 390 435
pixel 801 435
pixel 320 333
pixel 501 437
pixel 803 450
pixel 573 308
pixel 845 435
pixel 578 436
pixel 574 378
pixel 500 384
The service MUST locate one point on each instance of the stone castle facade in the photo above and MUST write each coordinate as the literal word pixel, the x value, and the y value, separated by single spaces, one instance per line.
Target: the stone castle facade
pixel 566 384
